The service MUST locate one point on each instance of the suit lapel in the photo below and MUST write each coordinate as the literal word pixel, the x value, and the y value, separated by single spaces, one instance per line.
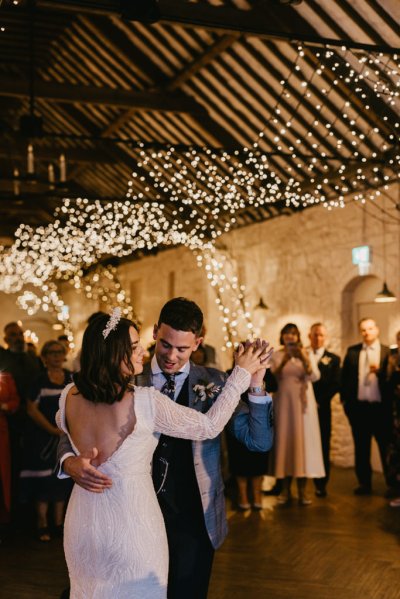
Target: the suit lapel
pixel 194 375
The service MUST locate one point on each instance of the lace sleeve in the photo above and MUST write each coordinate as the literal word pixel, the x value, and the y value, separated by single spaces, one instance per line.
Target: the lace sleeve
pixel 186 423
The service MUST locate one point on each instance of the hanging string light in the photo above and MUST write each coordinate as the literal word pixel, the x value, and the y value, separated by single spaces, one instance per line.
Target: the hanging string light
pixel 199 192
pixel 102 284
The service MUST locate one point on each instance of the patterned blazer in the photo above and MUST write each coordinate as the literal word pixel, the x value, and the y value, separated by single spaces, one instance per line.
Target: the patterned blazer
pixel 251 424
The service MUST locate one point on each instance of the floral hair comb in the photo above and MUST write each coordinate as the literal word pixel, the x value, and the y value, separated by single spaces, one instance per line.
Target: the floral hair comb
pixel 112 322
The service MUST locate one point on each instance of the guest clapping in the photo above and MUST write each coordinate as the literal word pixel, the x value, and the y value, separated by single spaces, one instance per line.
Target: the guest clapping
pixel 298 451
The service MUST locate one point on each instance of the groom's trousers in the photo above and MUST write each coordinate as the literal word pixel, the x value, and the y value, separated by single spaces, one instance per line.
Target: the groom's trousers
pixel 190 556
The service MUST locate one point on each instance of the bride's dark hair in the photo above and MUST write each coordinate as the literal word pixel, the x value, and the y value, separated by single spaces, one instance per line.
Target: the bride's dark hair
pixel 101 379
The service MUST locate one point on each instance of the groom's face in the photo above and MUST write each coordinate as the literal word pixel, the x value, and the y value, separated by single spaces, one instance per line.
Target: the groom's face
pixel 173 348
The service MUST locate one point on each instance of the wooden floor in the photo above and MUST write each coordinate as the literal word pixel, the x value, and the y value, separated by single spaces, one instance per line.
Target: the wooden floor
pixel 340 547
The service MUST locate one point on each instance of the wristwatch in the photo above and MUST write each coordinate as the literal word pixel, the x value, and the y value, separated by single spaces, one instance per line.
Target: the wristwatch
pixel 260 389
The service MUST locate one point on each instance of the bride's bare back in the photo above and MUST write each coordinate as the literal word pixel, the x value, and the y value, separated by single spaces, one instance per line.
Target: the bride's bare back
pixel 104 426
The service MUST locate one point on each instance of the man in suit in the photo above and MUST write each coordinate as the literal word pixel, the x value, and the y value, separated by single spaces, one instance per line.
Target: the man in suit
pixel 187 475
pixel 364 401
pixel 324 389
pixel 24 368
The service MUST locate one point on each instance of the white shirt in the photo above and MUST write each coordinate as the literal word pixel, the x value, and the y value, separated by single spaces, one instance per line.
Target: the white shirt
pixel 318 353
pixel 158 379
pixel 368 387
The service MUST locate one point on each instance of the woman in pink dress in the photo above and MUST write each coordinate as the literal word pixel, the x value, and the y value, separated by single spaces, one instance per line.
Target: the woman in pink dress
pixel 297 451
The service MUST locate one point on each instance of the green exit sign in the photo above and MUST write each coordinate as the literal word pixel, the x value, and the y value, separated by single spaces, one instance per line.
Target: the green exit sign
pixel 361 255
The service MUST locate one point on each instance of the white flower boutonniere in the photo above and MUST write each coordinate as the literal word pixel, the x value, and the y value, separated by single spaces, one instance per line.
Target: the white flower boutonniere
pixel 326 360
pixel 204 391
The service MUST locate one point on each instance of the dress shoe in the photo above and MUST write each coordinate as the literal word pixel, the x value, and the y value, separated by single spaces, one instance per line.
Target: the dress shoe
pixel 243 507
pixel 43 534
pixel 284 499
pixel 361 490
pixel 321 493
pixel 395 502
pixel 304 501
pixel 257 506
pixel 391 493
pixel 276 490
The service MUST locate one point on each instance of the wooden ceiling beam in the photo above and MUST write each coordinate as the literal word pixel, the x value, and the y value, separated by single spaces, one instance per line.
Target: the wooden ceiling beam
pixel 261 21
pixel 74 155
pixel 204 59
pixel 71 94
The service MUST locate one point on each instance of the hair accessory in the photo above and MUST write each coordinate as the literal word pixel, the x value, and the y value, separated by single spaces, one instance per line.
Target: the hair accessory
pixel 112 322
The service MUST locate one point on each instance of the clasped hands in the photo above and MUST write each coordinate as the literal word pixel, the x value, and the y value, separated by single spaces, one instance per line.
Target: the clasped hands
pixel 254 356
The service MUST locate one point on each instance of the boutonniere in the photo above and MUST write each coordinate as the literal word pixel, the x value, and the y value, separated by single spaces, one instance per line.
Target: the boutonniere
pixel 325 360
pixel 204 391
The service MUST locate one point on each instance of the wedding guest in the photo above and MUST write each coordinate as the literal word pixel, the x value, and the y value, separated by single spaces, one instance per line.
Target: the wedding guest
pixel 187 475
pixel 210 353
pixel 31 349
pixel 364 401
pixel 38 480
pixel 115 540
pixel 392 391
pixel 297 449
pixel 249 467
pixel 69 362
pixel 24 367
pixel 324 389
pixel 9 402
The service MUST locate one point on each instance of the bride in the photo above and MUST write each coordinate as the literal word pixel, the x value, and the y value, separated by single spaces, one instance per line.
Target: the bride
pixel 115 542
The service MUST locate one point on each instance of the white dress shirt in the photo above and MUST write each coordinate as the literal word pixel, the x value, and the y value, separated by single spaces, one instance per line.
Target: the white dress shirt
pixel 318 353
pixel 158 380
pixel 368 387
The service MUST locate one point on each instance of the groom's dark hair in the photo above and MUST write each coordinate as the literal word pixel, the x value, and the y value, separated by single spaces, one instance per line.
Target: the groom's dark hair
pixel 182 315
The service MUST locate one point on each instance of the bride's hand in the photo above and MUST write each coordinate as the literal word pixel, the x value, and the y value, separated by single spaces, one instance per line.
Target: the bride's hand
pixel 253 356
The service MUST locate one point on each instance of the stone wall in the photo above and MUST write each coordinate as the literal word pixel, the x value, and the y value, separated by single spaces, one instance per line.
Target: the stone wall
pixel 300 265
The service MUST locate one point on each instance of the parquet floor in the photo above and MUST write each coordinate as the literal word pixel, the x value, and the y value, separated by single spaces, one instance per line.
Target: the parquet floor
pixel 341 547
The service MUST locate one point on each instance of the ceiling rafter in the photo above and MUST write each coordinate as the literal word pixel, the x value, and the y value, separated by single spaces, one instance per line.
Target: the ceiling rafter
pixel 14 150
pixel 258 21
pixel 72 94
pixel 220 135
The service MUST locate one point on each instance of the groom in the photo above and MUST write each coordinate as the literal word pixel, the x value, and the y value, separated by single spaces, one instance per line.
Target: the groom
pixel 187 474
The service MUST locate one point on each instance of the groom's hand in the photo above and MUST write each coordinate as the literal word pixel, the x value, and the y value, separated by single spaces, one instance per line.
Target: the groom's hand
pixel 80 469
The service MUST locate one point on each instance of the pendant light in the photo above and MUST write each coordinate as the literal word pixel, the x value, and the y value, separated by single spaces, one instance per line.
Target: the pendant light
pixel 384 296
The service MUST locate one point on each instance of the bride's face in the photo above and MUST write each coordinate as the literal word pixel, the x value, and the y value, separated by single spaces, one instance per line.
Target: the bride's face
pixel 137 352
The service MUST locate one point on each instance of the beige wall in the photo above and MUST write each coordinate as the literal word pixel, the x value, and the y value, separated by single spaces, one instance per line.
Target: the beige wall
pixel 300 265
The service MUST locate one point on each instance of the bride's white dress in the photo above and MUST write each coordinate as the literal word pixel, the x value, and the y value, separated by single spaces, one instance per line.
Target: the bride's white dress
pixel 115 542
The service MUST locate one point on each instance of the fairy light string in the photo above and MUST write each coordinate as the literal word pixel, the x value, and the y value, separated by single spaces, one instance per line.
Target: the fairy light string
pixel 192 196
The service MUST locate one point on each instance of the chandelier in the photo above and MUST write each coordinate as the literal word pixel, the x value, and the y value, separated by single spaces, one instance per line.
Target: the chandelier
pixel 30 182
